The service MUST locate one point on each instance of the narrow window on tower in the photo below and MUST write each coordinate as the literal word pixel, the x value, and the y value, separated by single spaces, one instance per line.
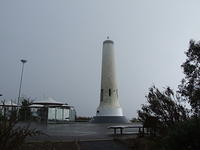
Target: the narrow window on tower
pixel 101 97
pixel 109 92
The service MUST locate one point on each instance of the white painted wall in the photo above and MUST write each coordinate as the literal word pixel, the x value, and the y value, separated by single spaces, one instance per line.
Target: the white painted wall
pixel 109 103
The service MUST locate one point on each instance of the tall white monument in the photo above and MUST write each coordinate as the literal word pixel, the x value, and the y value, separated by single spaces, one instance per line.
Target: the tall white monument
pixel 109 110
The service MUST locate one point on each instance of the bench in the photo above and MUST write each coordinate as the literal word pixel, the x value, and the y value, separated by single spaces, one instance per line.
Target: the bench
pixel 121 127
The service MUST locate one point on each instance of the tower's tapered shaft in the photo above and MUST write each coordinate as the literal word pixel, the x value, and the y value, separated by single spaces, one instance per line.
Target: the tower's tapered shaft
pixel 109 104
pixel 109 110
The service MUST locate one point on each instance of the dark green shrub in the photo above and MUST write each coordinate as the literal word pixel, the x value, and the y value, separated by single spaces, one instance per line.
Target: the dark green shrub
pixel 11 136
pixel 184 135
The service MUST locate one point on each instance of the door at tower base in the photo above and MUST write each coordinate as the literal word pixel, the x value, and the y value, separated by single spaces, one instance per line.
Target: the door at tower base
pixel 109 110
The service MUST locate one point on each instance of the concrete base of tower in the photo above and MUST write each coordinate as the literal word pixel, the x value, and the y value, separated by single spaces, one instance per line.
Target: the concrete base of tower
pixel 109 119
pixel 108 110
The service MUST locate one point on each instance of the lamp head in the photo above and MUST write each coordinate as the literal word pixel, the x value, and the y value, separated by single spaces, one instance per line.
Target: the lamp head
pixel 23 60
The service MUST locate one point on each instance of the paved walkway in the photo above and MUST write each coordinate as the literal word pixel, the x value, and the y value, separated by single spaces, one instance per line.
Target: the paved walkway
pixel 74 131
pixel 102 145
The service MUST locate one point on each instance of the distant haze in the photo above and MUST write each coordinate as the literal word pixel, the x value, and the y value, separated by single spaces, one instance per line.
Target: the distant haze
pixel 62 41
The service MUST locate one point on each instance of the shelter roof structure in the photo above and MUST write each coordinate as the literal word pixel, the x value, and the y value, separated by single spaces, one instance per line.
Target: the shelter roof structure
pixel 48 101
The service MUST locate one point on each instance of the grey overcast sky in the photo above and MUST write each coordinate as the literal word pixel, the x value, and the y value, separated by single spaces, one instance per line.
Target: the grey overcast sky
pixel 62 41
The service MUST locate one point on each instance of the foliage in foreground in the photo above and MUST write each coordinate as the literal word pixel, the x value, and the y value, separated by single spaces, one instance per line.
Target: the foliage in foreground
pixel 11 136
pixel 177 129
pixel 190 87
pixel 162 109
pixel 184 135
pixel 24 111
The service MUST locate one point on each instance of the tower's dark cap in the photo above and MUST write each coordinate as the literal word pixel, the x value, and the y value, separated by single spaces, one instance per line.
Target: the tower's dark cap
pixel 108 41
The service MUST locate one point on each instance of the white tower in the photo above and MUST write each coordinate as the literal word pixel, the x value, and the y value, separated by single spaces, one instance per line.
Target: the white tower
pixel 109 110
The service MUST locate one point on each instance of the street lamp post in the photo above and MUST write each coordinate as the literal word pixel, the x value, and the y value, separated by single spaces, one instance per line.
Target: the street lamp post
pixel 20 86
